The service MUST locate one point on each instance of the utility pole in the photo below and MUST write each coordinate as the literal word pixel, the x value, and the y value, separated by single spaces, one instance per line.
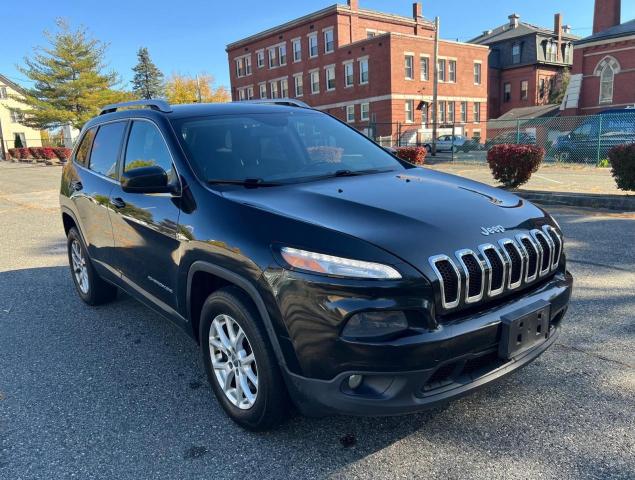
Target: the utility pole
pixel 198 89
pixel 435 86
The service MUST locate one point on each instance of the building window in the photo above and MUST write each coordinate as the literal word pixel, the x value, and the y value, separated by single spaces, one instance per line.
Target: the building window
pixel 3 92
pixel 425 68
pixel 315 81
pixel 313 45
pixel 477 112
pixel 463 112
pixel 272 58
pixel 452 71
pixel 299 86
pixel 329 41
pixel 607 76
pixel 371 33
pixel 350 113
pixel 284 88
pixel 516 50
pixel 410 114
pixel 507 92
pixel 551 51
pixel 330 77
pixel 16 117
pixel 566 56
pixel 240 69
pixel 260 58
pixel 248 65
pixel 450 112
pixel 442 110
pixel 524 90
pixel 365 109
pixel 296 45
pixel 282 54
pixel 477 73
pixel 273 86
pixel 363 71
pixel 409 66
pixel 263 90
pixel 441 69
pixel 348 74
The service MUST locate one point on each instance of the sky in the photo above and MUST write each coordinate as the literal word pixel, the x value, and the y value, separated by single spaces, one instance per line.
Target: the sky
pixel 190 36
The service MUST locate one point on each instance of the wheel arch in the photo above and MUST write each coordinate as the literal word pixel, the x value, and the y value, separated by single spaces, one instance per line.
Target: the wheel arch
pixel 223 277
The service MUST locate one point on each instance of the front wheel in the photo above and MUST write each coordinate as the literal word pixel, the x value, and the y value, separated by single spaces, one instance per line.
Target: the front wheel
pixel 239 361
pixel 91 288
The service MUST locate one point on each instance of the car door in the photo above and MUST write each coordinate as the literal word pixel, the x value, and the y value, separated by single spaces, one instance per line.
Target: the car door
pixel 442 143
pixel 90 182
pixel 145 225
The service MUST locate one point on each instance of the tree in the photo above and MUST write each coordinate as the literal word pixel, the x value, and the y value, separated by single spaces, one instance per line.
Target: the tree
pixel 148 79
pixel 70 83
pixel 198 89
pixel 560 84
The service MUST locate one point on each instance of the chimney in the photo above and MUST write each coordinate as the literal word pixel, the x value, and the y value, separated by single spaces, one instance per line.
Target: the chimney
pixel 513 20
pixel 417 10
pixel 606 15
pixel 557 31
pixel 354 30
pixel 353 5
pixel 566 29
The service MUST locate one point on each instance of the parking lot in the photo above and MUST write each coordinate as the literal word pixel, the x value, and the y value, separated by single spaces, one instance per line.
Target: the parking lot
pixel 118 392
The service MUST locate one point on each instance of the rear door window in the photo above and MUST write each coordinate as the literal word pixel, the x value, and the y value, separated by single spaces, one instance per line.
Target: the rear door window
pixel 146 148
pixel 106 147
pixel 81 155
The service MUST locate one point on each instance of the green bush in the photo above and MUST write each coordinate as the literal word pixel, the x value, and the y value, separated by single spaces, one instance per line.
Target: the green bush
pixel 622 158
pixel 604 163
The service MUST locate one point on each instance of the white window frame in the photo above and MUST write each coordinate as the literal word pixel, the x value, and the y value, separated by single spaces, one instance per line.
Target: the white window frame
pixel 441 61
pixel 240 68
pixel 3 92
pixel 296 42
pixel 298 83
pixel 409 66
pixel 478 73
pixel 409 110
pixel 260 89
pixel 250 92
pixel 463 112
pixel 284 88
pixel 313 75
pixel 272 57
pixel 451 111
pixel 260 58
pixel 273 87
pixel 476 112
pixel 349 64
pixel 329 74
pixel 282 53
pixel 325 32
pixel 310 37
pixel 363 61
pixel 350 113
pixel 364 113
pixel 451 70
pixel 442 111
pixel 524 95
pixel 610 83
pixel 424 74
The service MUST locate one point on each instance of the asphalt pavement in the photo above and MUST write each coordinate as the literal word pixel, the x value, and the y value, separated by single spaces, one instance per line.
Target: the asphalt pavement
pixel 118 392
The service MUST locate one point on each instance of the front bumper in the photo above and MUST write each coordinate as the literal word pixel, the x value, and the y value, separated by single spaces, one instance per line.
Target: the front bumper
pixel 457 359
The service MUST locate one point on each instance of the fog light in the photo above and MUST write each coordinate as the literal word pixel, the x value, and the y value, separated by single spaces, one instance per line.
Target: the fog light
pixel 355 381
pixel 375 324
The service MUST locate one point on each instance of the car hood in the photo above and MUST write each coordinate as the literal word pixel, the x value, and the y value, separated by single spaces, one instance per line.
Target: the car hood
pixel 412 214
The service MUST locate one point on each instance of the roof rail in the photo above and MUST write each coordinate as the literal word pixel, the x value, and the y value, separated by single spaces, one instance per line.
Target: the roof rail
pixel 159 105
pixel 289 102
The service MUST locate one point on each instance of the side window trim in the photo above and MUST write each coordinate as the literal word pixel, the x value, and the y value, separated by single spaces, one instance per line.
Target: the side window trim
pixel 90 148
pixel 119 151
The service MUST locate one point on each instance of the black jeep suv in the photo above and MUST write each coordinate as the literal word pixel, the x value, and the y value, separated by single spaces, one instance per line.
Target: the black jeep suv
pixel 310 264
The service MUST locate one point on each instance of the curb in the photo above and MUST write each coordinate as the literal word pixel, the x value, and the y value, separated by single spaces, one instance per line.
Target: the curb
pixel 624 203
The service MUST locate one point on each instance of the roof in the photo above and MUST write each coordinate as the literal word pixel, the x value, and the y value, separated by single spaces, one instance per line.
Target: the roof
pixel 505 32
pixel 621 30
pixel 524 113
pixel 12 84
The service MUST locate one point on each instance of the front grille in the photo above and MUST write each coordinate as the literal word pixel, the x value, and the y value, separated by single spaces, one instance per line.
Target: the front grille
pixel 472 276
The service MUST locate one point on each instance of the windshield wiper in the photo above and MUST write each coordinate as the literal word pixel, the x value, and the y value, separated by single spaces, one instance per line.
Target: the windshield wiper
pixel 354 173
pixel 247 182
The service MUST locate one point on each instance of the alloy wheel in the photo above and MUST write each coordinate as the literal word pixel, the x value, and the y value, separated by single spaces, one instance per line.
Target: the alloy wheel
pixel 80 270
pixel 233 361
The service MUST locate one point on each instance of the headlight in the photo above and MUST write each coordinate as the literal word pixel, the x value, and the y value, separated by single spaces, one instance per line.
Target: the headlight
pixel 343 267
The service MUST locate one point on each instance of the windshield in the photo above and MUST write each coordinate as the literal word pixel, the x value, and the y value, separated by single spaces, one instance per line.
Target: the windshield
pixel 278 147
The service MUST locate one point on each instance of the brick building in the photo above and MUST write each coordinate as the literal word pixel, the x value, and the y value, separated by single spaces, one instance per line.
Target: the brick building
pixel 525 62
pixel 374 70
pixel 603 75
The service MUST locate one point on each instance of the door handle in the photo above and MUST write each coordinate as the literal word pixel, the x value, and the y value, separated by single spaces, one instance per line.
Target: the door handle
pixel 117 202
pixel 76 185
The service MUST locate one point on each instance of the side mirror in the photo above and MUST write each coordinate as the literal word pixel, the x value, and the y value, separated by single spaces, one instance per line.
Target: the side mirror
pixel 145 180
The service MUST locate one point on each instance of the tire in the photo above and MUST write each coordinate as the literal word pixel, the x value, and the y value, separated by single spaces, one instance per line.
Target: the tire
pixel 92 289
pixel 257 406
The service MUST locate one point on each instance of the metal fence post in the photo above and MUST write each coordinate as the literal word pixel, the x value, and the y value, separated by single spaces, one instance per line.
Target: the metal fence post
pixel 399 134
pixel 453 132
pixel 597 160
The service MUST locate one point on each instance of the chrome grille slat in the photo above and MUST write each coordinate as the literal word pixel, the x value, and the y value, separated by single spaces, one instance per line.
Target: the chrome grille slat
pixel 516 262
pixel 449 299
pixel 546 249
pixel 491 255
pixel 474 274
pixel 557 245
pixel 532 256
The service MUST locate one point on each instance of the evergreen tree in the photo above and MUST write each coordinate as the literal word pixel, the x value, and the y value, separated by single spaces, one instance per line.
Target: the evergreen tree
pixel 148 79
pixel 70 83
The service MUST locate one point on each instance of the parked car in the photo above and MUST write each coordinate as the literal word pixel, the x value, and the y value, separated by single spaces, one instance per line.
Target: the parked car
pixel 310 265
pixel 445 143
pixel 596 136
pixel 518 138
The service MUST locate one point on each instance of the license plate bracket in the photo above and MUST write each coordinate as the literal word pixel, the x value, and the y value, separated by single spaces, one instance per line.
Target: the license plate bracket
pixel 524 329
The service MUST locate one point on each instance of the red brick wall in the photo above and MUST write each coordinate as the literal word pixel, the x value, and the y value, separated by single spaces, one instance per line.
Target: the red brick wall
pixel 586 59
pixel 514 76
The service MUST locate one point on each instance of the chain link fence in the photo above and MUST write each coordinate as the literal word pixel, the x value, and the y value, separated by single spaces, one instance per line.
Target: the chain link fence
pixel 582 139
